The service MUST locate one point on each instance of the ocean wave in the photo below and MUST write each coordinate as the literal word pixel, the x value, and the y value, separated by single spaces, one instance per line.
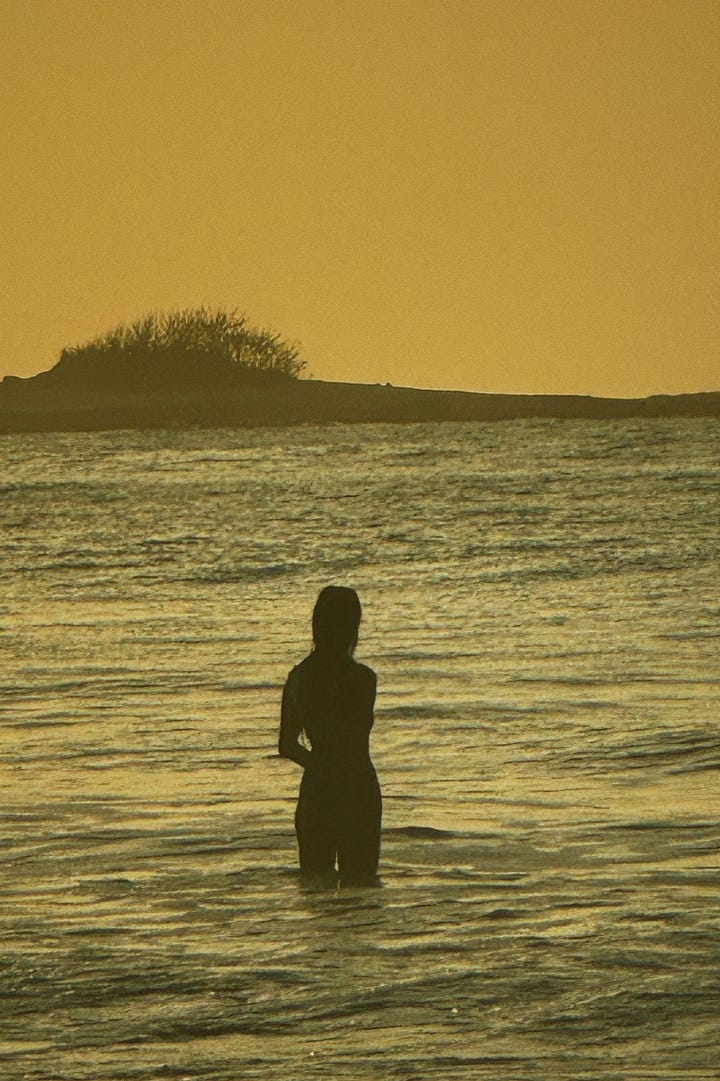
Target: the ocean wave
pixel 545 742
pixel 678 751
pixel 256 572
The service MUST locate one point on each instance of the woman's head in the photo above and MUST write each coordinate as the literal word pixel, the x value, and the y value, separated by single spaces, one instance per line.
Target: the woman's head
pixel 336 620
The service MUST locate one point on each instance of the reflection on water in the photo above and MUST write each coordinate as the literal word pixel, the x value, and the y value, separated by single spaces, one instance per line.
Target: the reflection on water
pixel 542 609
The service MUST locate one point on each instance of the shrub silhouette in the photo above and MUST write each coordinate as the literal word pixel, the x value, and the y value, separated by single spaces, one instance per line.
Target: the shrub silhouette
pixel 196 340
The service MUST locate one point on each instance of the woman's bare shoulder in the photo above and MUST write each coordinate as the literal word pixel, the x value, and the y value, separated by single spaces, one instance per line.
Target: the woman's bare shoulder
pixel 299 673
pixel 366 673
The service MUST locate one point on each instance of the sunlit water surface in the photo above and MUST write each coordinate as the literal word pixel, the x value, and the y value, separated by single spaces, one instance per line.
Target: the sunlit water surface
pixel 541 605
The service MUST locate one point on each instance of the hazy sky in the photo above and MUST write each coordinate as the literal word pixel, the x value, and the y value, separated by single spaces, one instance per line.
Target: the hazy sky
pixel 504 195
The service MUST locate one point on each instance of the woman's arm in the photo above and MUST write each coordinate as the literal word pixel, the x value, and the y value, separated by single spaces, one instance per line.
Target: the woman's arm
pixel 371 678
pixel 290 729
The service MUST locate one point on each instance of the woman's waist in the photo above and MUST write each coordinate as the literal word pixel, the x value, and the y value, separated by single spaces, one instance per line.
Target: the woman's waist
pixel 326 764
pixel 352 760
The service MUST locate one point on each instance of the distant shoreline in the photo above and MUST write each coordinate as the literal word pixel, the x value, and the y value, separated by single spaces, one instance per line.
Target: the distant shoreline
pixel 46 403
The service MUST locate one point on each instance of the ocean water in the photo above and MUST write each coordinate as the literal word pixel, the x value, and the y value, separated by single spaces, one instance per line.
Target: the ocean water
pixel 541 605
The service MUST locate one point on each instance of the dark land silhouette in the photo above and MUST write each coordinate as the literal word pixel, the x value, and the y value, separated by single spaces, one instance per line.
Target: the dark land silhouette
pixel 329 698
pixel 183 395
pixel 210 369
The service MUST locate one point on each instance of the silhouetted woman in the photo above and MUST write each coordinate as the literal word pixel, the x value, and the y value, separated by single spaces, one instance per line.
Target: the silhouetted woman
pixel 330 698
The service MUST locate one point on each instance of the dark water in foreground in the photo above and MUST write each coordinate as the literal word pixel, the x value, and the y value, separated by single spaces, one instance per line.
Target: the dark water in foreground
pixel 541 605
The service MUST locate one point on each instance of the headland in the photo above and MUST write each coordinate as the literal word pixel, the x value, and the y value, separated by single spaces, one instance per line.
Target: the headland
pixel 73 396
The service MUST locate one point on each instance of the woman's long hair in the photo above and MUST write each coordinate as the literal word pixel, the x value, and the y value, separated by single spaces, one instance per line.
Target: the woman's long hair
pixel 336 621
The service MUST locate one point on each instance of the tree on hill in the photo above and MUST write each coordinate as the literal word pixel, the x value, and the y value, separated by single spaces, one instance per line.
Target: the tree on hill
pixel 223 339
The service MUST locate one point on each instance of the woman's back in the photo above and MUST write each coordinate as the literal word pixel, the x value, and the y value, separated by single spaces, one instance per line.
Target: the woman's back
pixel 334 698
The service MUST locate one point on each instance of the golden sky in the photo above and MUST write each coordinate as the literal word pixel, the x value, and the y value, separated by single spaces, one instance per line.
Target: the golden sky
pixel 500 195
